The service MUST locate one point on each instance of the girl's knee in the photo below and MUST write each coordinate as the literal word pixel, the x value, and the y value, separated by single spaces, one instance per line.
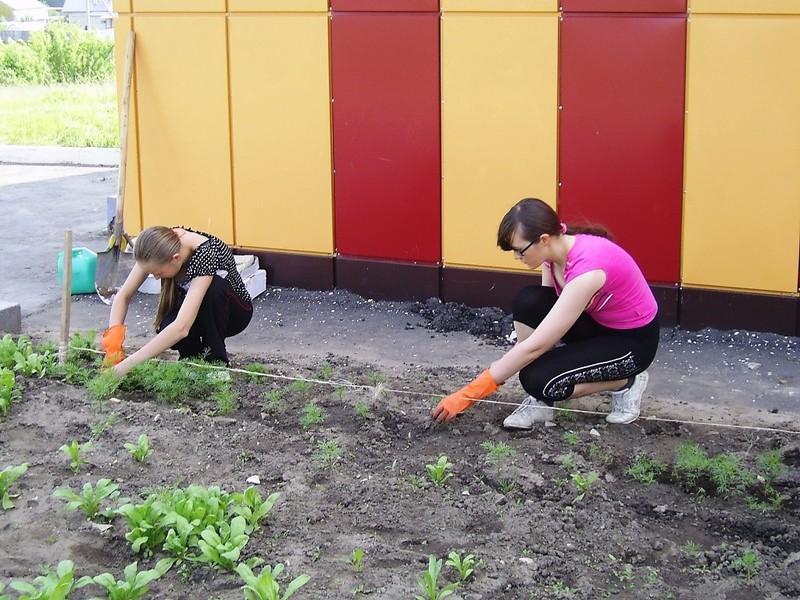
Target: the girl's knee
pixel 532 303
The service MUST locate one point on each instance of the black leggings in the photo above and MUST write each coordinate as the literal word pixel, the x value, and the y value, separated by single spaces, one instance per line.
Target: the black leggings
pixel 222 314
pixel 590 352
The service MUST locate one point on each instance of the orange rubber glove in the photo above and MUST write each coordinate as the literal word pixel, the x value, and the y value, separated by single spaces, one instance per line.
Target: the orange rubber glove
pixel 112 344
pixel 475 390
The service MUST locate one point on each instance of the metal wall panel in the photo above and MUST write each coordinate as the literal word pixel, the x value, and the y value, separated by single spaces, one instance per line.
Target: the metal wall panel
pixel 184 137
pixel 385 80
pixel 621 132
pixel 280 132
pixel 499 118
pixel 178 6
pixel 742 207
pixel 624 6
pixel 385 5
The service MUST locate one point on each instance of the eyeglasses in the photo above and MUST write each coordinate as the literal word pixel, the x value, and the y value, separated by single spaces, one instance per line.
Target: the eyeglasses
pixel 520 253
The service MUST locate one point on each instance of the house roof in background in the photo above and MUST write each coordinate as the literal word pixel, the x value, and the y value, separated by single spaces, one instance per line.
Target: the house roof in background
pixel 23 4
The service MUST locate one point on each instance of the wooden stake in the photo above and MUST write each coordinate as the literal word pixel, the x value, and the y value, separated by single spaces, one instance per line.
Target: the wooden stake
pixel 66 296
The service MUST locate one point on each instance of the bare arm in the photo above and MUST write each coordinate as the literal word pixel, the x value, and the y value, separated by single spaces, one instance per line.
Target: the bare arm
pixel 569 306
pixel 119 308
pixel 175 331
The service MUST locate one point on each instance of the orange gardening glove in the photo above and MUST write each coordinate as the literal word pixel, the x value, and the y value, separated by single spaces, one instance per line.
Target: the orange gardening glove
pixel 475 390
pixel 112 344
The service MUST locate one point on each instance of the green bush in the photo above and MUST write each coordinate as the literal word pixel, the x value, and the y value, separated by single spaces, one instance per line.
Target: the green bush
pixel 61 53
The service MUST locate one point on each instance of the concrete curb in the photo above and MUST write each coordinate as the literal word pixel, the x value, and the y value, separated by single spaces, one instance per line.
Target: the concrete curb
pixel 10 317
pixel 54 155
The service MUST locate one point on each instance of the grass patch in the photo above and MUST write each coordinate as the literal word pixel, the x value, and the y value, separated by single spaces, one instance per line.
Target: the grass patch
pixel 69 115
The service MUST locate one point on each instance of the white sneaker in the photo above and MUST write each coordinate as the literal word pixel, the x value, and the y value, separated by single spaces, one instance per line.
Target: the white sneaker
pixel 626 404
pixel 530 411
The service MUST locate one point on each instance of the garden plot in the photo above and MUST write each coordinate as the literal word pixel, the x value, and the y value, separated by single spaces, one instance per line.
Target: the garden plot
pixel 332 470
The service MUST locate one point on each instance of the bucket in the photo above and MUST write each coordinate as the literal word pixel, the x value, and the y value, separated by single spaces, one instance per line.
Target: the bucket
pixel 84 263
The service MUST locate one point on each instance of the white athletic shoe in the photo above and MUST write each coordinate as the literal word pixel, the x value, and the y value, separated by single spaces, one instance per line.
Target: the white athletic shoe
pixel 530 411
pixel 626 404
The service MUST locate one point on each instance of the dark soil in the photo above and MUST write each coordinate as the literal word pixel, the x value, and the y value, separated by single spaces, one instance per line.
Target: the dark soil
pixel 520 516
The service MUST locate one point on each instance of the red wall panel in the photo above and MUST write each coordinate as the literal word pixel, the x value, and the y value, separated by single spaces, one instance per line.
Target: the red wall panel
pixel 385 5
pixel 621 132
pixel 387 178
pixel 624 6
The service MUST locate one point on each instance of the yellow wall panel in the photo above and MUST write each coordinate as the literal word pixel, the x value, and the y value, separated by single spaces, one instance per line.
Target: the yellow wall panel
pixel 132 214
pixel 496 6
pixel 280 107
pixel 180 6
pixel 184 153
pixel 499 121
pixel 762 7
pixel 122 6
pixel 742 171
pixel 294 6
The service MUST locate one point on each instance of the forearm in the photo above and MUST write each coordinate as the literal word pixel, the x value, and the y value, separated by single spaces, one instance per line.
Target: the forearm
pixel 165 339
pixel 514 361
pixel 119 310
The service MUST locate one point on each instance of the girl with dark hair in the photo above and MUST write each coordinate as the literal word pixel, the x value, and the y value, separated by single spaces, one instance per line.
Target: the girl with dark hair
pixel 593 298
pixel 203 299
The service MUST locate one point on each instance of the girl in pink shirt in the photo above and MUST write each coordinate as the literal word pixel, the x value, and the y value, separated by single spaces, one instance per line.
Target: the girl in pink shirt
pixel 593 299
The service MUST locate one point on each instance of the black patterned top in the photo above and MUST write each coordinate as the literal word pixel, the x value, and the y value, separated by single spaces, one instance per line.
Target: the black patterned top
pixel 214 257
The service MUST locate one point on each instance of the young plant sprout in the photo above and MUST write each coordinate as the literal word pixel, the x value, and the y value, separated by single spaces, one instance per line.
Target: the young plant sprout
pixel 141 450
pixel 429 582
pixel 313 414
pixel 135 583
pixel 497 450
pixel 462 565
pixel 583 484
pixel 91 498
pixel 439 473
pixel 74 452
pixel 357 559
pixel 264 586
pixel 7 478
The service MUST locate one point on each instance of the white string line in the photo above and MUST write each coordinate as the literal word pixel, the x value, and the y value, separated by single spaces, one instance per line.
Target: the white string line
pixel 380 389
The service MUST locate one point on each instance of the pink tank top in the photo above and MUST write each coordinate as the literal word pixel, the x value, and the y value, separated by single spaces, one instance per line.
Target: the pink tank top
pixel 625 301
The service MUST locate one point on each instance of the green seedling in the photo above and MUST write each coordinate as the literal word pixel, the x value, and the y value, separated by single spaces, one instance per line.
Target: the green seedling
pixel 23 358
pixel 98 428
pixel 464 565
pixel 252 507
pixel 103 386
pixel 91 499
pixel 264 586
pixel 748 563
pixel 645 470
pixel 439 473
pixel 691 548
pixel 255 371
pixel 221 545
pixel 52 586
pixel 135 583
pixel 74 452
pixel 141 450
pixel 724 471
pixel 566 460
pixel 772 464
pixel 497 450
pixel 273 402
pixel 328 454
pixel 363 411
pixel 374 378
pixel 357 559
pixel 299 388
pixel 313 414
pixel 325 371
pixel 226 401
pixel 508 487
pixel 429 582
pixel 583 484
pixel 8 394
pixel 572 438
pixel 7 478
pixel 146 525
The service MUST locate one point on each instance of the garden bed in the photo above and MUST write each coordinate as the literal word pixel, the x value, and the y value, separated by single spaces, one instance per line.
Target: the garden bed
pixel 348 454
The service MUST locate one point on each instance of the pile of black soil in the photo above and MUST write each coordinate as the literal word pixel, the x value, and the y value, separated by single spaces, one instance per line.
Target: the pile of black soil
pixel 489 323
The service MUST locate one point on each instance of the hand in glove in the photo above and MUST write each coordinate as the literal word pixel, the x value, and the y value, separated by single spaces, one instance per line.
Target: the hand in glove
pixel 475 390
pixel 112 344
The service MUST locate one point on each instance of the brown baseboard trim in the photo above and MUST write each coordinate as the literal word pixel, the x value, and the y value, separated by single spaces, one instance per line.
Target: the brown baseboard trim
pixel 478 288
pixel 295 270
pixel 689 308
pixel 382 280
pixel 739 310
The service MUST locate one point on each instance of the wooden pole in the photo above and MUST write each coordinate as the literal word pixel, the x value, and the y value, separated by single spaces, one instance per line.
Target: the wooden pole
pixel 66 296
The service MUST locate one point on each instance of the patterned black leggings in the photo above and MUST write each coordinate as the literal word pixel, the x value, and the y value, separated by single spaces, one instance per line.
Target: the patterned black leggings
pixel 222 314
pixel 590 352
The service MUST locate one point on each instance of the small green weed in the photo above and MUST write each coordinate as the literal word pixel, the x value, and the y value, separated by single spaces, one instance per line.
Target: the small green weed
pixel 273 402
pixel 497 450
pixel 645 469
pixel 103 385
pixel 566 460
pixel 357 559
pixel 7 478
pixel 440 472
pixel 313 415
pixel 748 564
pixel 364 412
pixel 572 438
pixel 373 378
pixel 583 484
pixel 141 450
pixel 255 371
pixel 325 371
pixel 328 454
pixel 300 388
